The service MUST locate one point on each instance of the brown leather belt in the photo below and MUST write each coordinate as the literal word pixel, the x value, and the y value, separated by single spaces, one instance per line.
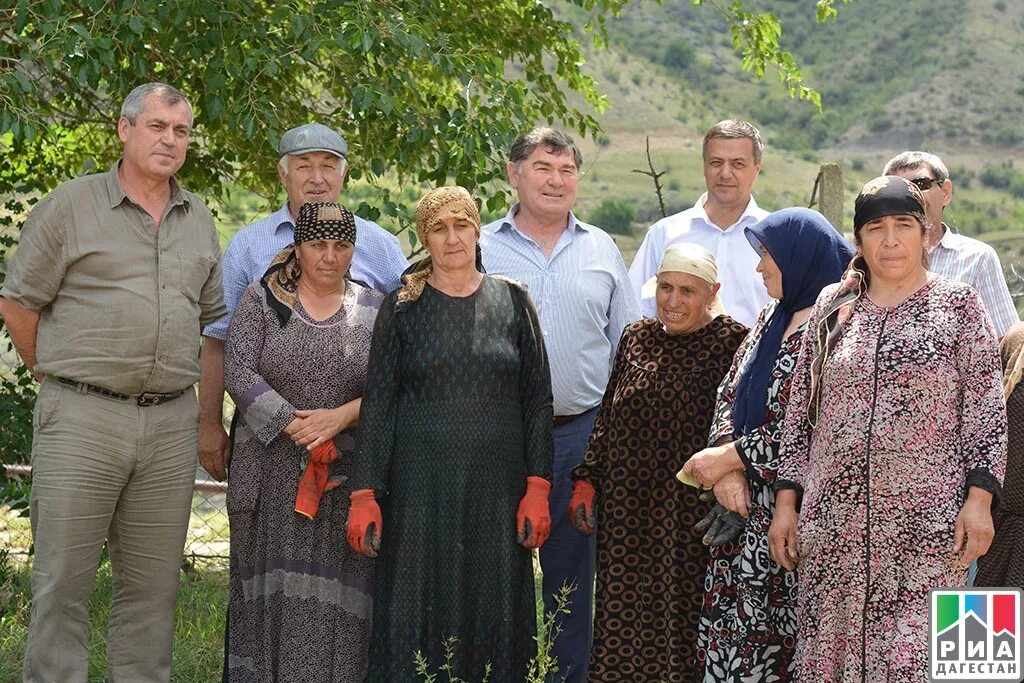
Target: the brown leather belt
pixel 562 420
pixel 143 400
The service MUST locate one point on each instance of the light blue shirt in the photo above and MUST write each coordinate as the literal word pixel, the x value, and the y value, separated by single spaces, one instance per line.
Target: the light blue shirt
pixel 583 297
pixel 962 258
pixel 378 259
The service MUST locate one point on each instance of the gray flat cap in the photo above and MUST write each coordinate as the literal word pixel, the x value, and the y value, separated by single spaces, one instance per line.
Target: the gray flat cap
pixel 313 137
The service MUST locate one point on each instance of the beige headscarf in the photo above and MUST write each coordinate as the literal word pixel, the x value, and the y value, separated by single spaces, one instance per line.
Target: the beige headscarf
pixel 444 202
pixel 1012 352
pixel 691 259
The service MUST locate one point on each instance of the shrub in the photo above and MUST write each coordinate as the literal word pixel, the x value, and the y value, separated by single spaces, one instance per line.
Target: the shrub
pixel 614 215
pixel 678 54
pixel 879 121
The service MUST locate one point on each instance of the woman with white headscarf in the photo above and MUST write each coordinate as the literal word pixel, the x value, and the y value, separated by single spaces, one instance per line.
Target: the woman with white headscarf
pixel 656 412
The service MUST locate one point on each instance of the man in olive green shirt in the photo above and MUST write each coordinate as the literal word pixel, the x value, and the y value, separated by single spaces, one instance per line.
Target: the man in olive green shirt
pixel 112 280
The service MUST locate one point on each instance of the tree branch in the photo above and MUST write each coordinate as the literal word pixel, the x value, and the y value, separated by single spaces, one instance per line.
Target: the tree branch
pixel 655 175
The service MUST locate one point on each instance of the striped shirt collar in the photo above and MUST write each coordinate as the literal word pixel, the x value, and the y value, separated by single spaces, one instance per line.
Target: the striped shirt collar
pixel 509 222
pixel 950 240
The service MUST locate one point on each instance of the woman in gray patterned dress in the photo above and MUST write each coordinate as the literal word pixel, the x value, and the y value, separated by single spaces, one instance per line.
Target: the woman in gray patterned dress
pixel 295 364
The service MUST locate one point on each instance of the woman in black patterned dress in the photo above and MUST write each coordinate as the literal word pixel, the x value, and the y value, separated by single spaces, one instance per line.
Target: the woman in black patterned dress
pixel 1003 564
pixel 748 622
pixel 656 411
pixel 455 442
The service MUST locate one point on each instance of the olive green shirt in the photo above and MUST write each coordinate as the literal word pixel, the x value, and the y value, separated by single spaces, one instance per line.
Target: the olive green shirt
pixel 121 302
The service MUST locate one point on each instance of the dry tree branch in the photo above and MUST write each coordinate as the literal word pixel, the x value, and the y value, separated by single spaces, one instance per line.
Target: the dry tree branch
pixel 656 176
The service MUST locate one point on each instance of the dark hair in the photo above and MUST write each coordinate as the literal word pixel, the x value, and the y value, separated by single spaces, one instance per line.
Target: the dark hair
pixel 732 129
pixel 555 141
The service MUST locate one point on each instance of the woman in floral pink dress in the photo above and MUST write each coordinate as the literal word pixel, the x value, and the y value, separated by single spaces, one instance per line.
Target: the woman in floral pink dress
pixel 893 447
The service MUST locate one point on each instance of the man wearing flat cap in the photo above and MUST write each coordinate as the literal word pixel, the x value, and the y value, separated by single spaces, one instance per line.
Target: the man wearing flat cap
pixel 113 277
pixel 312 168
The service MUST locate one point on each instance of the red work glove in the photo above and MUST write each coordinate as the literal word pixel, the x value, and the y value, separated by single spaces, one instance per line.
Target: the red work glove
pixel 533 519
pixel 311 489
pixel 325 453
pixel 581 507
pixel 314 480
pixel 364 523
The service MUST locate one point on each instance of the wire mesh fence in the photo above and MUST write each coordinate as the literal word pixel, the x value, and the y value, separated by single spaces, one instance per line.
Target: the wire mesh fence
pixel 206 544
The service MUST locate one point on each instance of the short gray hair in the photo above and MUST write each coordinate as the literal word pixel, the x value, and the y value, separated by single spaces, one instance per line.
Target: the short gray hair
pixel 136 100
pixel 734 129
pixel 555 141
pixel 907 161
pixel 283 163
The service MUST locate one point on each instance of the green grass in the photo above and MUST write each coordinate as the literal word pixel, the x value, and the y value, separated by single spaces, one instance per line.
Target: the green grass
pixel 198 633
pixel 199 624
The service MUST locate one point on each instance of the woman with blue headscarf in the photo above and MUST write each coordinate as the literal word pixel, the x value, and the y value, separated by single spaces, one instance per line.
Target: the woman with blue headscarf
pixel 748 620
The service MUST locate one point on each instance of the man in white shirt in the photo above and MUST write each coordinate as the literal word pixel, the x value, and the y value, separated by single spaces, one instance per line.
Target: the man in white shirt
pixel 733 154
pixel 954 256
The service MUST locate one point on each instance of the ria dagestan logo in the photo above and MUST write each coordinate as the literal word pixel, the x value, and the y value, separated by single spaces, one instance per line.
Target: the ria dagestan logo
pixel 975 635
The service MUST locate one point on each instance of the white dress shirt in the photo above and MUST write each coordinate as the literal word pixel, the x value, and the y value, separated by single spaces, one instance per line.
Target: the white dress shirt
pixel 742 293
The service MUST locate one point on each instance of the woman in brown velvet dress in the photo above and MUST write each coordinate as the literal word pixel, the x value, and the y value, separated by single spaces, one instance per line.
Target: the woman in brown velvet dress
pixel 656 412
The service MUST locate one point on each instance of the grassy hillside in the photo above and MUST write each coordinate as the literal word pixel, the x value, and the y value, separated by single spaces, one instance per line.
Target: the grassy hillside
pixel 942 75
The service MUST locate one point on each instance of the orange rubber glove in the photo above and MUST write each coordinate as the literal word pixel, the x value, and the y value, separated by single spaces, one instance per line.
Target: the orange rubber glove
pixel 533 519
pixel 364 523
pixel 581 507
pixel 314 480
pixel 325 453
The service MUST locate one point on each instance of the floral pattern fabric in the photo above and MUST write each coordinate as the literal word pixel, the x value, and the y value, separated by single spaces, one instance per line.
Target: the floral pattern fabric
pixel 911 413
pixel 748 620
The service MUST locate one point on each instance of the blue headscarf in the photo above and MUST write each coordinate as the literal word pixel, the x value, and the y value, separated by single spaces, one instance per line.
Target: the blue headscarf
pixel 810 254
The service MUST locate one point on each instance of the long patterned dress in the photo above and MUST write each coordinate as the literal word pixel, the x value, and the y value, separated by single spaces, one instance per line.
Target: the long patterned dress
pixel 1003 564
pixel 656 413
pixel 457 414
pixel 748 621
pixel 301 600
pixel 911 413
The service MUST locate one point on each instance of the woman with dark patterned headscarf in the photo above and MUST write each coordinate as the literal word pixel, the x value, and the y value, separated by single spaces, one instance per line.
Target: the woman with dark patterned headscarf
pixel 456 444
pixel 892 450
pixel 748 621
pixel 295 365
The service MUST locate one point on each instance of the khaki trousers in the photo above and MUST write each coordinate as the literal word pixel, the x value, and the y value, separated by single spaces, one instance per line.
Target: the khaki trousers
pixel 106 469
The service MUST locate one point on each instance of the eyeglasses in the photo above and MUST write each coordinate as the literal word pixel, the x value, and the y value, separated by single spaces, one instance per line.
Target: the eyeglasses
pixel 925 184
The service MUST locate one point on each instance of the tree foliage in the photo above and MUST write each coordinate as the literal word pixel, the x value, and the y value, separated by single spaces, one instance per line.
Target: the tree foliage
pixel 756 36
pixel 427 91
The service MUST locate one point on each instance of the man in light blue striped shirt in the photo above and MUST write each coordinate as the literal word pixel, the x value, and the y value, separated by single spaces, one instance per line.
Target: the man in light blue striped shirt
pixel 579 285
pixel 312 168
pixel 954 256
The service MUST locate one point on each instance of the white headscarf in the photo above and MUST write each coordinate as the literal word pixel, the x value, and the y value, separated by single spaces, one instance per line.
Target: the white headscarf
pixel 691 259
